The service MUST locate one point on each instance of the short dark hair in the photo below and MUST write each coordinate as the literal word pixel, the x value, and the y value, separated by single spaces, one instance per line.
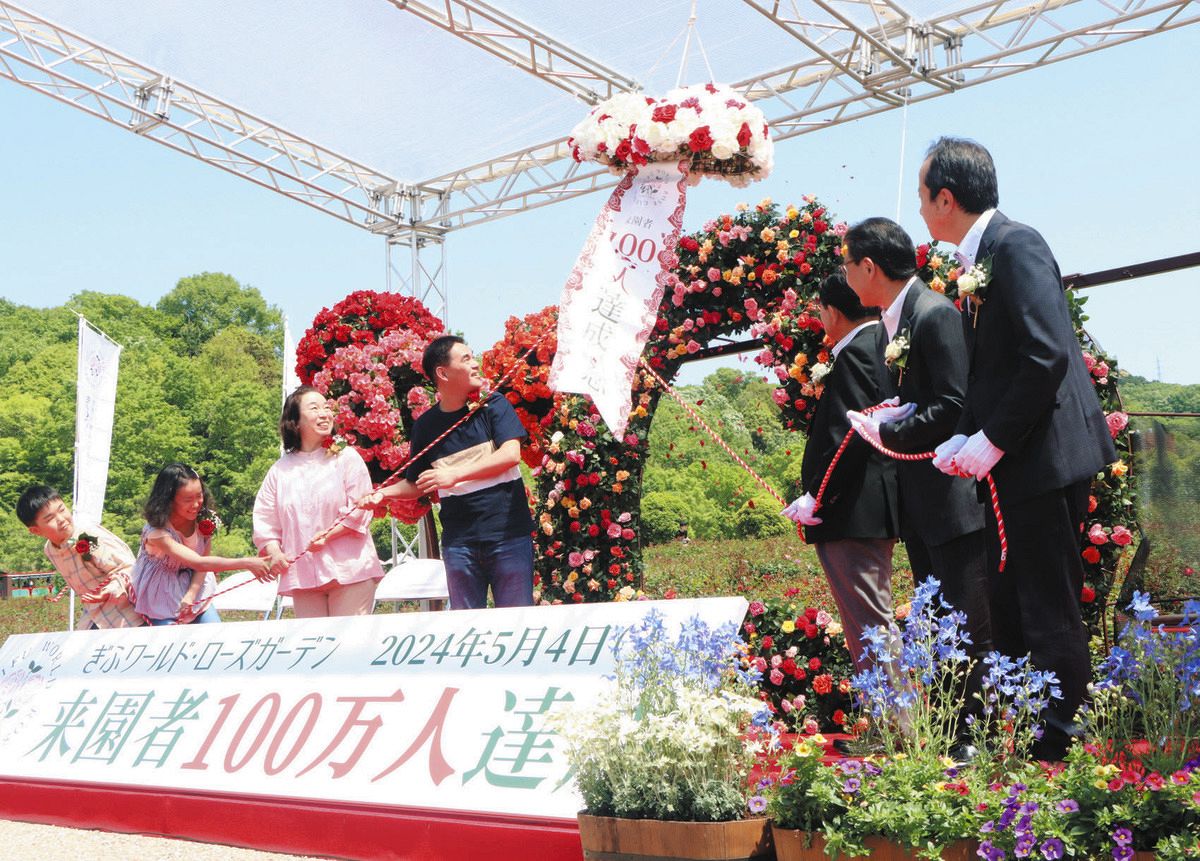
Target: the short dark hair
pixel 886 243
pixel 437 355
pixel 170 478
pixel 289 419
pixel 835 292
pixel 966 170
pixel 33 500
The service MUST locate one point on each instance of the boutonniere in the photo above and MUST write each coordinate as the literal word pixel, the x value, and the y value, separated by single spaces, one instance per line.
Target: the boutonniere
pixel 84 545
pixel 820 371
pixel 208 522
pixel 334 444
pixel 973 285
pixel 895 354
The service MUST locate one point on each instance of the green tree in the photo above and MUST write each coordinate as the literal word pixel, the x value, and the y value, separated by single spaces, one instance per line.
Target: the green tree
pixel 202 305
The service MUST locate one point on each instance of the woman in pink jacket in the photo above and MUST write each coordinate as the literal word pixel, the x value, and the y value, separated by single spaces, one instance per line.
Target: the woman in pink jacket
pixel 306 491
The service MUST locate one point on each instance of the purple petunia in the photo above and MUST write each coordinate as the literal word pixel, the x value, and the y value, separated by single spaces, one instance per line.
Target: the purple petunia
pixel 851 786
pixel 1052 848
pixel 1122 837
pixel 757 804
pixel 1067 805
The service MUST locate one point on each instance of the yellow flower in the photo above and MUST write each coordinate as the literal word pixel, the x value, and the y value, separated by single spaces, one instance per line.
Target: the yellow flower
pixel 935 262
pixel 767 235
pixel 900 755
pixel 793 234
pixel 1119 469
pixel 804 749
pixel 937 285
pixel 818 739
pixel 788 626
pixel 1100 784
pixel 792 212
pixel 940 786
pixel 742 207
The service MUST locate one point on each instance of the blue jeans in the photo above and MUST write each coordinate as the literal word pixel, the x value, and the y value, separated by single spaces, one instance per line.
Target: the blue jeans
pixel 505 565
pixel 209 615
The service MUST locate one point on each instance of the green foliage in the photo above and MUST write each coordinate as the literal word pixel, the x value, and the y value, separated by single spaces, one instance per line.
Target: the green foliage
pixel 199 383
pixel 201 306
pixel 663 512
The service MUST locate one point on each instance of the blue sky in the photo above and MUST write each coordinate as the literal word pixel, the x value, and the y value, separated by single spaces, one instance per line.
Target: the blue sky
pixel 1098 153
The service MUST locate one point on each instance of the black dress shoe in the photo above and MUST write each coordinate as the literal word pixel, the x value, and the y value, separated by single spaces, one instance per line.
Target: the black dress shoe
pixel 964 753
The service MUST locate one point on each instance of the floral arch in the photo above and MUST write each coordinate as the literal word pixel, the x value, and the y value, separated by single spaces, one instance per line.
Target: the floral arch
pixel 754 271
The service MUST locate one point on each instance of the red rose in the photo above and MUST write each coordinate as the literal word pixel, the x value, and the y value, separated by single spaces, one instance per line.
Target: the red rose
pixel 811 631
pixel 814 664
pixel 810 613
pixel 839 717
pixel 206 527
pixel 1091 555
pixel 1087 595
pixel 663 114
pixel 82 546
pixel 768 641
pixel 1121 536
pixel 700 140
pixel 743 135
pixel 823 683
pixel 593 530
pixel 1093 504
pixel 688 244
pixel 922 255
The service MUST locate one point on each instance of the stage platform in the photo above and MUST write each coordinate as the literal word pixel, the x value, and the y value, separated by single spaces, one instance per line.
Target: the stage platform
pixel 361 832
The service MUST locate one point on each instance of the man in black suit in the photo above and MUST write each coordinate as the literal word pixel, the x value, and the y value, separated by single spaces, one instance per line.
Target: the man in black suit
pixel 941 519
pixel 1031 419
pixel 856 526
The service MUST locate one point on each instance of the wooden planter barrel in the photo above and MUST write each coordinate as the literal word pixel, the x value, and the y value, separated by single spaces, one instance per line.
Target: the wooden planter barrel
pixel 791 845
pixel 606 838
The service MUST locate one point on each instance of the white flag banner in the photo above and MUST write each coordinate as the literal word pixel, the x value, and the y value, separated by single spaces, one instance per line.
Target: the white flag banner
pixel 95 401
pixel 610 302
pixel 291 381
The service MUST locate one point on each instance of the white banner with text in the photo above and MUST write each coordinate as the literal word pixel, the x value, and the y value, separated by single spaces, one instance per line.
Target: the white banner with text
pixel 610 301
pixel 434 710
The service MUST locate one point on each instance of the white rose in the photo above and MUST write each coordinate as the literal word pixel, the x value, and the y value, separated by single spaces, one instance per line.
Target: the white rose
pixel 820 371
pixel 892 351
pixel 967 284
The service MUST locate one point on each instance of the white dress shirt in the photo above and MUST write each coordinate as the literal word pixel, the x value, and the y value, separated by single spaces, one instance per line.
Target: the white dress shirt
pixel 969 247
pixel 891 317
pixel 849 336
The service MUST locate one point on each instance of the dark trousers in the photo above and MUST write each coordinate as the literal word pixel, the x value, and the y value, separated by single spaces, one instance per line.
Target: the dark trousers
pixel 1035 600
pixel 961 565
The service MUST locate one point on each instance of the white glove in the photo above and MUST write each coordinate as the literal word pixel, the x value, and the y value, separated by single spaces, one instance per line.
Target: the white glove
pixel 977 456
pixel 894 414
pixel 801 511
pixel 943 459
pixel 866 426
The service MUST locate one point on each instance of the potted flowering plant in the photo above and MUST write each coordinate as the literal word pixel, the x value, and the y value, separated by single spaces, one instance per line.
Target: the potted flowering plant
pixel 663 762
pixel 1136 779
pixel 912 800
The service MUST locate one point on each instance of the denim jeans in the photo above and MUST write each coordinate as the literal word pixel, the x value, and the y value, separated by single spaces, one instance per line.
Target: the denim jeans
pixel 507 566
pixel 209 615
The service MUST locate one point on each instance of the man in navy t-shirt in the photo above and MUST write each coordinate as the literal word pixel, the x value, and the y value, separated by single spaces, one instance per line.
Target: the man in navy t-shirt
pixel 486 525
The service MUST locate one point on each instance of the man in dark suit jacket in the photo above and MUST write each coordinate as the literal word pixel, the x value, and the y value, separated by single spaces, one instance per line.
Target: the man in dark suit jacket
pixel 1031 419
pixel 855 528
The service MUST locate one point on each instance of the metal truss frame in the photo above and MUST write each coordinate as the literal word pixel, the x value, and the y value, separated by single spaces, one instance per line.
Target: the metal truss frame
pixel 522 46
pixel 862 57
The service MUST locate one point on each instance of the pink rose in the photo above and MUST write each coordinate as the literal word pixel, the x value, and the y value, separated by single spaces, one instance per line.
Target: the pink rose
pixel 760 664
pixel 1116 423
pixel 693 347
pixel 1121 536
pixel 776 677
pixel 628 534
pixel 780 396
pixel 776 660
pixel 1096 535
pixel 1101 370
pixel 1089 361
pixel 714 274
pixel 757 608
pixel 575 559
pixel 786 705
pixel 614 530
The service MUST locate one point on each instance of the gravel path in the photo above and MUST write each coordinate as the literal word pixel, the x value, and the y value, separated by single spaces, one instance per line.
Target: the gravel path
pixel 24 841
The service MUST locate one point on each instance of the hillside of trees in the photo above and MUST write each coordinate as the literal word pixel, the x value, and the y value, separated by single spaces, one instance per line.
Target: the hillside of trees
pixel 199 383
